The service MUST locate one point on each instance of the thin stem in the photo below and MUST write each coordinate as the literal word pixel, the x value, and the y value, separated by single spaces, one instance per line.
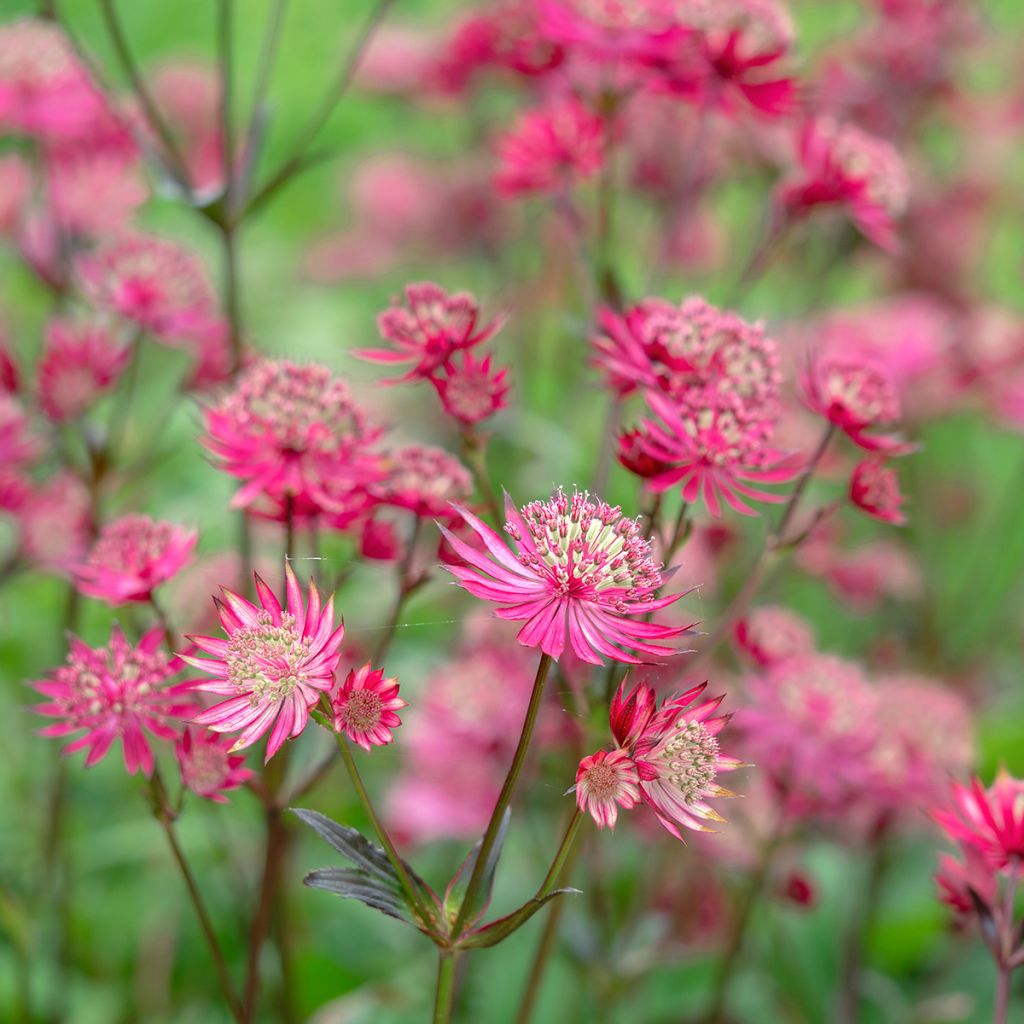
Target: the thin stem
pixel 474 452
pixel 1002 994
pixel 165 817
pixel 406 586
pixel 411 893
pixel 445 992
pixel 232 294
pixel 170 636
pixel 564 849
pixel 307 136
pixel 227 138
pixel 801 484
pixel 289 527
pixel 120 413
pixel 179 168
pixel 505 796
pixel 738 931
pixel 680 532
pixel 1004 963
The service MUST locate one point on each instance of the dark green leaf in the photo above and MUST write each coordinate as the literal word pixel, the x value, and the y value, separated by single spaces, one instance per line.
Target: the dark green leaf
pixel 353 884
pixel 351 844
pixel 500 929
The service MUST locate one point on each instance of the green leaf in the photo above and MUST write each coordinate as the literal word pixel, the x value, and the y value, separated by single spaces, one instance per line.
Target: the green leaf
pixel 456 891
pixel 353 884
pixel 496 931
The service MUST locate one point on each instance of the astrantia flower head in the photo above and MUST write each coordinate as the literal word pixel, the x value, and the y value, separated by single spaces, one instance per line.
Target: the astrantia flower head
pixel 423 479
pixel 606 781
pixel 207 765
pixel 770 634
pixel 675 751
pixel 429 329
pixel 551 149
pixel 115 692
pixel 606 31
pixel 578 574
pixel 845 166
pixel 291 431
pixel 156 284
pixel 55 524
pixel 855 395
pixel 273 665
pixel 714 454
pixel 132 557
pixel 875 489
pixel 81 362
pixel 364 707
pixel 95 194
pixel 989 820
pixel 472 390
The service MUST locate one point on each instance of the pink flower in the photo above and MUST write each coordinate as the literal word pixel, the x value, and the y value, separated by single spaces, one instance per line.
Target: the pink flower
pixel 115 692
pixel 156 284
pixel 379 540
pixel 44 89
pixel 875 489
pixel 273 666
pixel 81 362
pixel 207 765
pixel 472 391
pixel 957 881
pixel 606 31
pixel 364 707
pixel 95 194
pixel 844 166
pixel 855 395
pixel 770 634
pixel 423 479
pixel 429 330
pixel 578 574
pixel 132 557
pixel 291 432
pixel 55 524
pixel 18 445
pixel 606 781
pixel 724 55
pixel 550 149
pixel 675 750
pixel 990 821
pixel 714 454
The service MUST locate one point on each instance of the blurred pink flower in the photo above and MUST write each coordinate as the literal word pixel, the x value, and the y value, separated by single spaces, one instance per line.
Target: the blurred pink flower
pixel 157 284
pixel 273 666
pixel 94 195
pixel 844 166
pixel 132 557
pixel 957 881
pixel 550 149
pixel 364 707
pixel 55 524
pixel 675 751
pixel 606 781
pixel 770 634
pixel 81 361
pixel 291 433
pixel 428 331
pixel 398 59
pixel 989 820
pixel 115 692
pixel 875 489
pixel 208 767
pixel 423 479
pixel 578 574
pixel 472 391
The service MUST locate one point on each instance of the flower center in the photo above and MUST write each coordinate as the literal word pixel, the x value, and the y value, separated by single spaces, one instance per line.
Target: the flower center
pixel 362 710
pixel 267 661
pixel 689 760
pixel 602 781
pixel 206 768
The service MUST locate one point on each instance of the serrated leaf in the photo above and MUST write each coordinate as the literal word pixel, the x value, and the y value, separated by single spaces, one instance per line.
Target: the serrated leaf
pixel 351 844
pixel 353 884
pixel 496 931
pixel 456 891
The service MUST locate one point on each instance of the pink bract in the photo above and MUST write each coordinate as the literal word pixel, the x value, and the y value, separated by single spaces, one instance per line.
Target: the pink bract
pixel 132 557
pixel 273 666
pixel 875 489
pixel 472 390
pixel 208 767
pixel 989 820
pixel 578 574
pixel 364 707
pixel 116 692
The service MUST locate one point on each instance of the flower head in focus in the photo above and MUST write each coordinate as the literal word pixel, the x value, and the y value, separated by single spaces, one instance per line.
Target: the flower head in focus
pixel 577 576
pixel 550 149
pixel 845 166
pixel 115 692
pixel 132 557
pixel 272 667
pixel 606 781
pixel 81 362
pixel 429 329
pixel 207 766
pixel 156 284
pixel 291 432
pixel 364 707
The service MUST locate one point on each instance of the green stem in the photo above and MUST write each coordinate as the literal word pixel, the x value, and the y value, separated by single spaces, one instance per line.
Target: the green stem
pixel 474 453
pixel 307 136
pixel 412 895
pixel 406 586
pixel 225 33
pixel 445 993
pixel 505 796
pixel 165 818
pixel 170 637
pixel 564 850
